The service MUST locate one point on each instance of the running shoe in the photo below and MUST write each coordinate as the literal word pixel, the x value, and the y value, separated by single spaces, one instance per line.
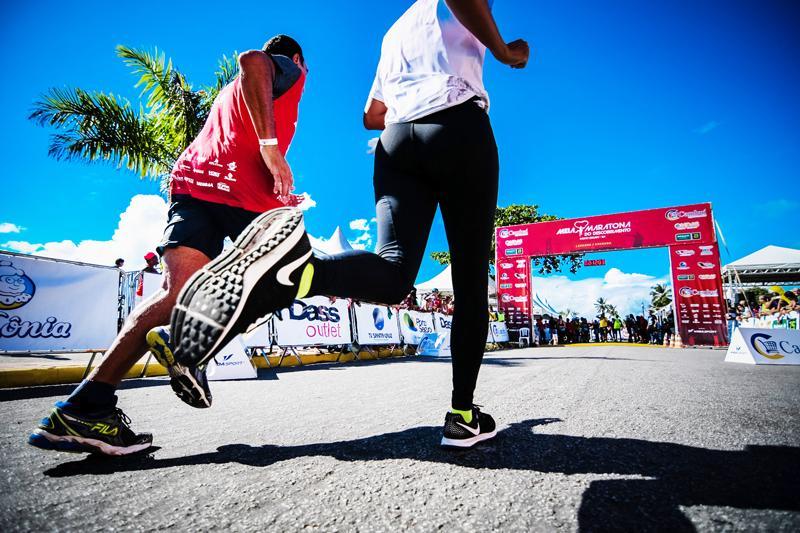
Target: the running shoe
pixel 189 382
pixel 459 434
pixel 108 435
pixel 265 270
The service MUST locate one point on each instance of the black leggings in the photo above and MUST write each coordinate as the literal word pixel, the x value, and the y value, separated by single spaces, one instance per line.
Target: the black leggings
pixel 447 159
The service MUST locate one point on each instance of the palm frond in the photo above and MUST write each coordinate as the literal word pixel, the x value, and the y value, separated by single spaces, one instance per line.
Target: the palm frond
pixel 157 76
pixel 228 69
pixel 100 127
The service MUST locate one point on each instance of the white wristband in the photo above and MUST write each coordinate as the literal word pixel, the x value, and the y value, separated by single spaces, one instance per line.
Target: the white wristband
pixel 268 142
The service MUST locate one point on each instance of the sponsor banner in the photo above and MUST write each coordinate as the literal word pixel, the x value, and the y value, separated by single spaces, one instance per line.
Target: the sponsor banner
pixel 623 231
pixel 313 322
pixel 47 304
pixel 764 347
pixel 698 298
pixel 513 291
pixel 442 323
pixel 498 332
pixel 376 324
pixel 414 325
pixel 231 363
pixel 434 345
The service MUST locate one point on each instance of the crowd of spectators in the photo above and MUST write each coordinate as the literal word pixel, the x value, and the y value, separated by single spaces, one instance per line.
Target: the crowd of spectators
pixel 434 302
pixel 777 309
pixel 558 330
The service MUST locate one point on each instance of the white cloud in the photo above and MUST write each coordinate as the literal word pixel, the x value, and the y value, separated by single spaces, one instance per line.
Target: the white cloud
pixel 624 290
pixel 21 246
pixel 8 227
pixel 138 231
pixel 359 224
pixel 364 240
pixel 708 127
pixel 307 202
pixel 372 145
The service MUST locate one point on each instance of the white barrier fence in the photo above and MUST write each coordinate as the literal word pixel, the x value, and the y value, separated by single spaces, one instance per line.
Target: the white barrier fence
pixel 53 305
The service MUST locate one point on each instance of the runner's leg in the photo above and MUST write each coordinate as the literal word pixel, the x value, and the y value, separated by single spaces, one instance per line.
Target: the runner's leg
pixel 461 151
pixel 129 346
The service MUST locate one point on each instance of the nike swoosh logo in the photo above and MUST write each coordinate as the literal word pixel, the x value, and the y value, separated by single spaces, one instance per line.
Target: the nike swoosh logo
pixel 475 431
pixel 287 270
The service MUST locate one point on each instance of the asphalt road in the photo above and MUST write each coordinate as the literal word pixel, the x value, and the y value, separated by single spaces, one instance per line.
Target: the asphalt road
pixel 601 438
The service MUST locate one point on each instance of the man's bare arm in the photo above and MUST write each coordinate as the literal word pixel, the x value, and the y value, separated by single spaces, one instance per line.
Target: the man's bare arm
pixel 476 16
pixel 258 72
pixel 374 118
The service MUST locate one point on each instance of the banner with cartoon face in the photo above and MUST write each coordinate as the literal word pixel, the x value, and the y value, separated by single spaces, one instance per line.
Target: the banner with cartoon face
pixel 56 305
pixel 376 325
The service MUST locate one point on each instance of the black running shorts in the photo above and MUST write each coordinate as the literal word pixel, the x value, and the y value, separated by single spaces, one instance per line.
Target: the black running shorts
pixel 202 225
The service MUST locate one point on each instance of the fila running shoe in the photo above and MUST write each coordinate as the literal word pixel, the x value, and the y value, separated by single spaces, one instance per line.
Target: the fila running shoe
pixel 189 382
pixel 109 435
pixel 459 434
pixel 266 269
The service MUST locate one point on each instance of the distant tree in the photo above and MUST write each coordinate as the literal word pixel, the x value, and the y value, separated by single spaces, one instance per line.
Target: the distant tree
pixel 147 138
pixel 753 293
pixel 660 296
pixel 525 214
pixel 601 305
pixel 612 311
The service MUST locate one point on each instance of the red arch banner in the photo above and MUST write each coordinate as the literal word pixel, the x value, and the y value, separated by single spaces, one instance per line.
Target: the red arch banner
pixel 688 232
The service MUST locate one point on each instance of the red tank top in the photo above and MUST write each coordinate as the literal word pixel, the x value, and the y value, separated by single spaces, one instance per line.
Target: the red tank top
pixel 223 164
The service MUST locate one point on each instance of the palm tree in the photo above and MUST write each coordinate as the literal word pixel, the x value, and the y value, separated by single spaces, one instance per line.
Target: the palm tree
pixel 601 305
pixel 612 311
pixel 660 296
pixel 97 126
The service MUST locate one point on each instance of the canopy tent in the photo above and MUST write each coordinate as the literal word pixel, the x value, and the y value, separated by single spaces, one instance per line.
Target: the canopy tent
pixel 444 282
pixel 336 244
pixel 771 265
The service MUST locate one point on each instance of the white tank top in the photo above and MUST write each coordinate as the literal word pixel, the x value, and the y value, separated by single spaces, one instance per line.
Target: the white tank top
pixel 429 62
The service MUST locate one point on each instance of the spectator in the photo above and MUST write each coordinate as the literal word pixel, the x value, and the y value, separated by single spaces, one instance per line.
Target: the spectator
pixel 410 301
pixel 152 260
pixel 603 328
pixel 433 301
pixel 119 263
pixel 617 327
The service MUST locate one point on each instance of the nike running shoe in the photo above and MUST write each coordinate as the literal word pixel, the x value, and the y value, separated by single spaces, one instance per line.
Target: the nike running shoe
pixel 109 435
pixel 188 382
pixel 260 274
pixel 459 434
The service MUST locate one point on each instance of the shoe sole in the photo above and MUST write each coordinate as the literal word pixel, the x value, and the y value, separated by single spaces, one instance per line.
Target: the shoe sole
pixel 187 388
pixel 232 277
pixel 467 443
pixel 66 443
pixel 181 379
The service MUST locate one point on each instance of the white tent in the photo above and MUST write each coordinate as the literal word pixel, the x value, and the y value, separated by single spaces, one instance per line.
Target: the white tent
pixel 336 244
pixel 444 282
pixel 771 265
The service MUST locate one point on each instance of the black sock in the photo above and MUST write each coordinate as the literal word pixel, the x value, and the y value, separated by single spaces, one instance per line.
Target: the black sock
pixel 92 397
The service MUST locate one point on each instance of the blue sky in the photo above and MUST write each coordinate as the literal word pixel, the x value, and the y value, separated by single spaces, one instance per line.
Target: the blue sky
pixel 625 105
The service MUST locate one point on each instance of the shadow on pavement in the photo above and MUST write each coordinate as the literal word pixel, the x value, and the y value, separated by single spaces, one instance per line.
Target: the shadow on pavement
pixel 758 477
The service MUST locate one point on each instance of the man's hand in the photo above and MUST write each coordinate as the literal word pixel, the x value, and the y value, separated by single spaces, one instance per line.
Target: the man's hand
pixel 515 54
pixel 279 168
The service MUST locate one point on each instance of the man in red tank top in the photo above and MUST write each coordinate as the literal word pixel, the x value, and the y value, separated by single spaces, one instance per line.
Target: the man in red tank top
pixel 231 173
